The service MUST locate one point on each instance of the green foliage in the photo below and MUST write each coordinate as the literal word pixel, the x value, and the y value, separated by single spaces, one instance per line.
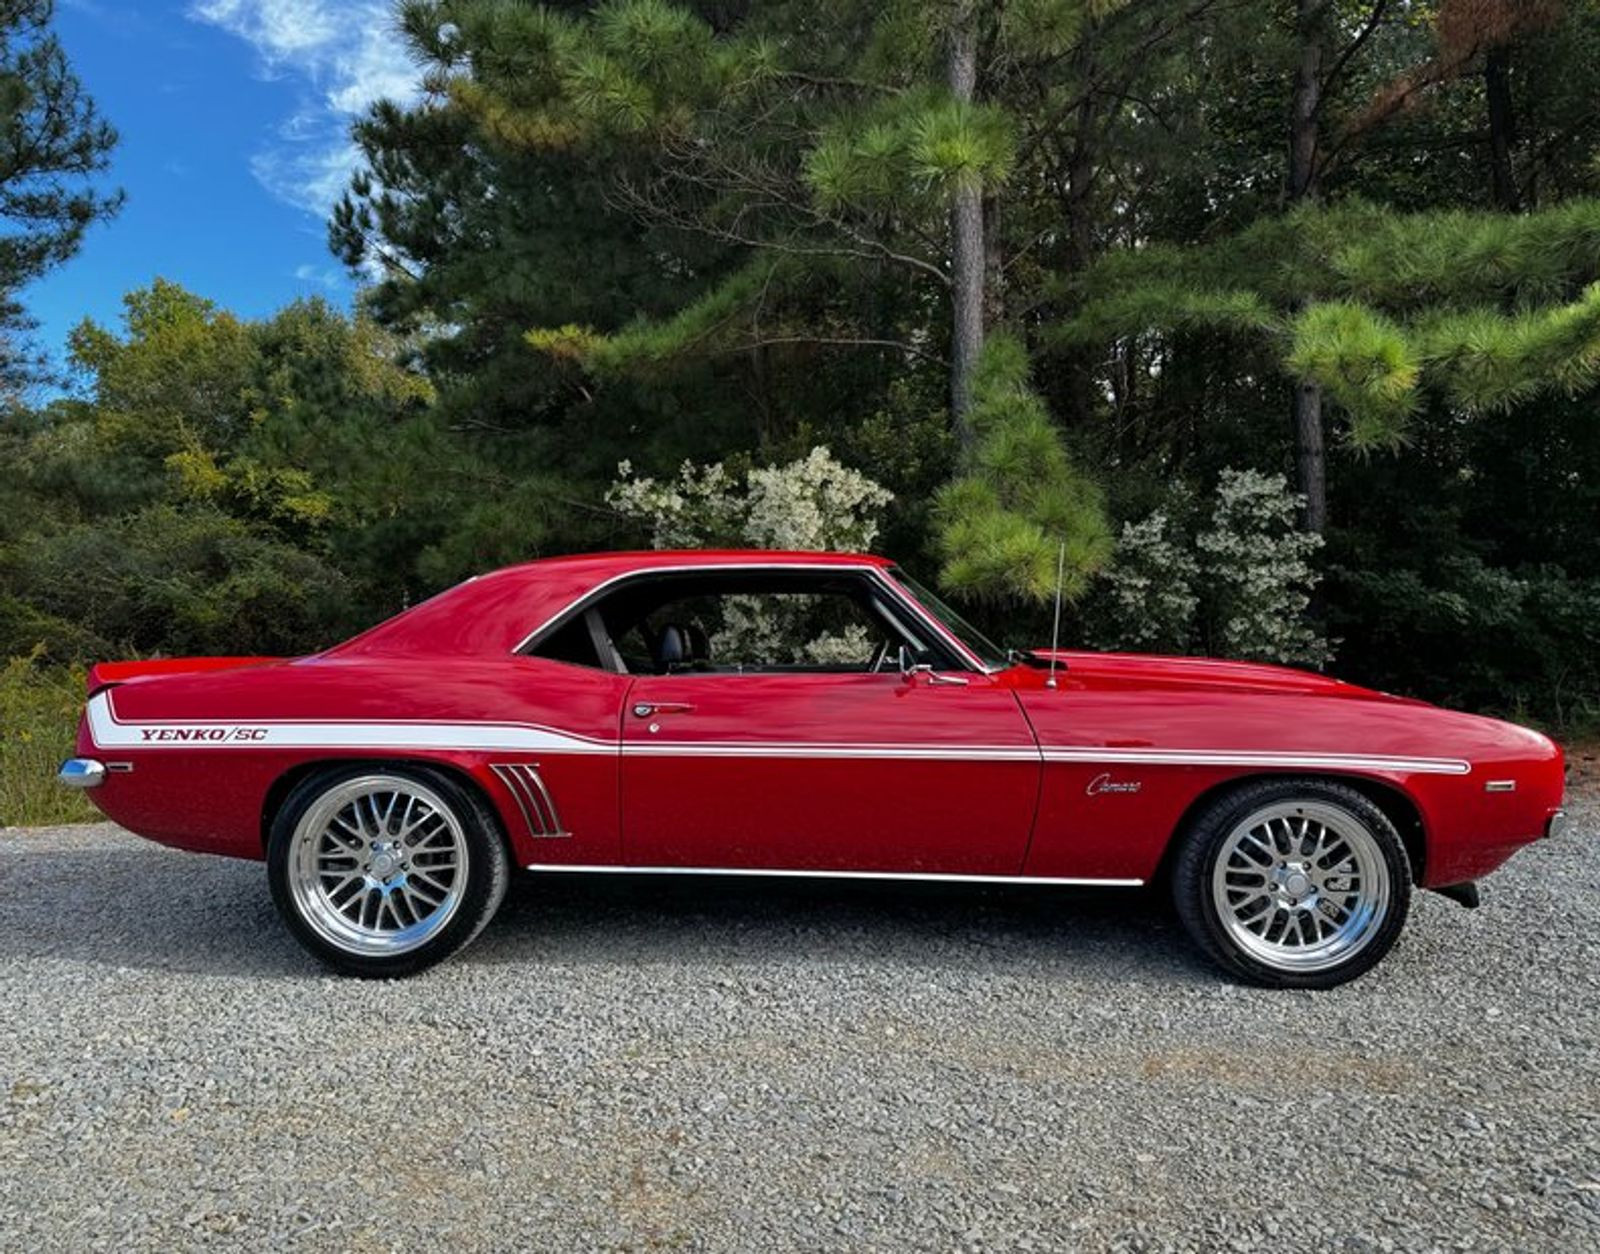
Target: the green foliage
pixel 909 148
pixel 1377 307
pixel 1004 525
pixel 1363 361
pixel 186 581
pixel 39 709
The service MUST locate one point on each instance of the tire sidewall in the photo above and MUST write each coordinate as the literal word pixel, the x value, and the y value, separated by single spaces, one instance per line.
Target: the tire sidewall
pixel 487 869
pixel 1196 903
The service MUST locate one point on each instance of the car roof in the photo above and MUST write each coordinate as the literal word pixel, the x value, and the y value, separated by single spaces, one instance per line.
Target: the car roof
pixel 495 612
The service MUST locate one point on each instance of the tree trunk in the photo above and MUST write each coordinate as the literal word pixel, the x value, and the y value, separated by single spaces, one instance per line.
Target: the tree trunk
pixel 1311 455
pixel 967 250
pixel 1305 128
pixel 1502 128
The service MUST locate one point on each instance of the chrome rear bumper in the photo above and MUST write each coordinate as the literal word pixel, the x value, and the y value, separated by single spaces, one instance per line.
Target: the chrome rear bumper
pixel 81 773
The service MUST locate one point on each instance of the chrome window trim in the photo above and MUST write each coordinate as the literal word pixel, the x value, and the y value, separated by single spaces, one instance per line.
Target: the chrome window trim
pixel 966 656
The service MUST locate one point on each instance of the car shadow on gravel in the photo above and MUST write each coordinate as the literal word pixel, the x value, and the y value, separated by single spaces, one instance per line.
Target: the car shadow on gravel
pixel 141 907
pixel 686 920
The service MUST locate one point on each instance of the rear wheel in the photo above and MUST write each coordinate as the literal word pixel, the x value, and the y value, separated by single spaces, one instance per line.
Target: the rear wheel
pixel 385 871
pixel 1293 883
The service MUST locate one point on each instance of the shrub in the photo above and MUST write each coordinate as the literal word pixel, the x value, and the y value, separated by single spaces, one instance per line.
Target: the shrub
pixel 1239 587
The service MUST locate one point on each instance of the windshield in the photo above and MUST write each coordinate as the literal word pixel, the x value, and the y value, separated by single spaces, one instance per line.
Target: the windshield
pixel 989 653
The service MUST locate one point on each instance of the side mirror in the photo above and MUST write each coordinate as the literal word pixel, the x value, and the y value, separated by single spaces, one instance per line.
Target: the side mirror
pixel 910 668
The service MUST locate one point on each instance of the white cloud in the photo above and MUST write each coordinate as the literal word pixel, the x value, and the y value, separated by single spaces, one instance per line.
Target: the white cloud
pixel 322 276
pixel 345 54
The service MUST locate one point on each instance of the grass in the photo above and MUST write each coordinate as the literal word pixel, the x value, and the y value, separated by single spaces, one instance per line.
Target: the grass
pixel 39 709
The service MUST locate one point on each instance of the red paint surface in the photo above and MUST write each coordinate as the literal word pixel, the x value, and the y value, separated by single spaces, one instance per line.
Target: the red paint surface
pixel 449 660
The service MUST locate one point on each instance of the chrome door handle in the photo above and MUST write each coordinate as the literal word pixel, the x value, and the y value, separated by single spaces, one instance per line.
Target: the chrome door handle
pixel 646 709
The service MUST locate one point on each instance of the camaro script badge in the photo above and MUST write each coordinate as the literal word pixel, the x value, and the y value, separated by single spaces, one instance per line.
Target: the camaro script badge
pixel 1104 784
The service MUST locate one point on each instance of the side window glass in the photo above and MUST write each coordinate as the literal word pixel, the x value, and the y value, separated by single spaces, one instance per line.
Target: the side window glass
pixel 758 631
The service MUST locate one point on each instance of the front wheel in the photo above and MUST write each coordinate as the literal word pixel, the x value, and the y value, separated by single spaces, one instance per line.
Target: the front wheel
pixel 385 871
pixel 1293 883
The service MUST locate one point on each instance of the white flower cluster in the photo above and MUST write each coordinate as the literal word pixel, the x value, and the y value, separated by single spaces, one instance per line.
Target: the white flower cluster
pixel 700 507
pixel 1151 587
pixel 815 503
pixel 1257 563
pixel 1240 589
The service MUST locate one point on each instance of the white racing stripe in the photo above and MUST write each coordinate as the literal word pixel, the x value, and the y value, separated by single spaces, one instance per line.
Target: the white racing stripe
pixel 108 732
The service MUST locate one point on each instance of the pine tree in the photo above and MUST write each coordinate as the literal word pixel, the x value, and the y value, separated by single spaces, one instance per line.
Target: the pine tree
pixel 1379 310
pixel 53 143
pixel 849 170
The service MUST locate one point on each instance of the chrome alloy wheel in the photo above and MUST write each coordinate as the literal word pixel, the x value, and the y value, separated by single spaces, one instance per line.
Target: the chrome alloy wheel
pixel 378 865
pixel 1301 886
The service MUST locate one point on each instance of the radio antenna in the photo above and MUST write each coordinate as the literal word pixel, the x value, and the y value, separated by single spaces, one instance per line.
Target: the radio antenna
pixel 1055 632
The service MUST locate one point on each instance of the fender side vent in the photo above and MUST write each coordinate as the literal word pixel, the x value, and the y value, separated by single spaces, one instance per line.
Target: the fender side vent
pixel 526 786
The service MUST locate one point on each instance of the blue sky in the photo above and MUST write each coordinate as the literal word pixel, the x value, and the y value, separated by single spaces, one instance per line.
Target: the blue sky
pixel 234 118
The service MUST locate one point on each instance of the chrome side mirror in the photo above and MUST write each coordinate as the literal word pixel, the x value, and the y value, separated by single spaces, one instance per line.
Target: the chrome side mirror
pixel 910 669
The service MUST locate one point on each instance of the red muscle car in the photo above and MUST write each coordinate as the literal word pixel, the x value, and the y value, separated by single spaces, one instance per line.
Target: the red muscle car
pixel 799 714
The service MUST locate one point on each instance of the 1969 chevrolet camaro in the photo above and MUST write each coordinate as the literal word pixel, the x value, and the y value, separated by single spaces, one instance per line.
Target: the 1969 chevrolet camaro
pixel 799 714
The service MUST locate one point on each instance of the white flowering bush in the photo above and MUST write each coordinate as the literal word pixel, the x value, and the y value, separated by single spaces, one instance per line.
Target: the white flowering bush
pixel 1150 587
pixel 702 506
pixel 1239 588
pixel 1259 573
pixel 815 503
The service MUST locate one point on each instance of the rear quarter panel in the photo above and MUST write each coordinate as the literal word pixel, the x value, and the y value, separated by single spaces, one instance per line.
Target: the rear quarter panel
pixel 208 752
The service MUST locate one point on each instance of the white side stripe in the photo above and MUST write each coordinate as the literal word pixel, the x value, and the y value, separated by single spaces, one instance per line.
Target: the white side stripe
pixel 110 733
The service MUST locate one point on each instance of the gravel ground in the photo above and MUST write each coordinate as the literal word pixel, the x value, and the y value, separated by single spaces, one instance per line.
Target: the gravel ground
pixel 626 1065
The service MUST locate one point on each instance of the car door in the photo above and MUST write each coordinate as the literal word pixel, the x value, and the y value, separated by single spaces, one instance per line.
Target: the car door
pixel 934 771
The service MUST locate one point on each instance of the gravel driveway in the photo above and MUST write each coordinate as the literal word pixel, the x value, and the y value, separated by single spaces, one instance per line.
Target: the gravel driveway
pixel 691 1065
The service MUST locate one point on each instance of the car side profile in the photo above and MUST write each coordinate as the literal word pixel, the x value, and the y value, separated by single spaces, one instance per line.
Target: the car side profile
pixel 799 714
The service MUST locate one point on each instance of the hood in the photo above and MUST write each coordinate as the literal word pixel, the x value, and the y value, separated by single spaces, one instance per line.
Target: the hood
pixel 1148 670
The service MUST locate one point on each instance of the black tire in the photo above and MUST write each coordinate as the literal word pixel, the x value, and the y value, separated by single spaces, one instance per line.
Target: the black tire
pixel 478 884
pixel 1207 837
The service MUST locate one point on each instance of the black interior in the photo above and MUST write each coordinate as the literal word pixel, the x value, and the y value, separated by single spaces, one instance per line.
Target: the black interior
pixel 658 623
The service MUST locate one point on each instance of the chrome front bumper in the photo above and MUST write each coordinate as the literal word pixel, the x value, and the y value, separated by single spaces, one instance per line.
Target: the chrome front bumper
pixel 82 773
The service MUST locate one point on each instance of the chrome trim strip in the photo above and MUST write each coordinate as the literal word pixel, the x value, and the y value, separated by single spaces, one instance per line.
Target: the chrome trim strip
pixel 872 570
pixel 554 826
pixel 919 876
pixel 1250 757
pixel 523 781
pixel 504 774
pixel 801 749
